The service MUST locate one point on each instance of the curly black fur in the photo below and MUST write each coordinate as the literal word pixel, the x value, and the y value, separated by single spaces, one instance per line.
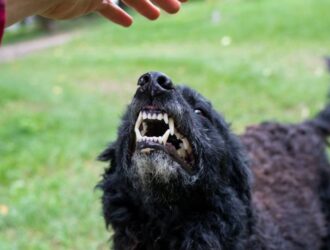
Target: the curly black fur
pixel 215 206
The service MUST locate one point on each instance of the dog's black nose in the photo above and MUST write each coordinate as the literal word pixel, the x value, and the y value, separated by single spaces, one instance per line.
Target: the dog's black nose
pixel 155 83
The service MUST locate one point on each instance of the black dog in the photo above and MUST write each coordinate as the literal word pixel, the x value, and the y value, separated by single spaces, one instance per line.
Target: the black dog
pixel 179 179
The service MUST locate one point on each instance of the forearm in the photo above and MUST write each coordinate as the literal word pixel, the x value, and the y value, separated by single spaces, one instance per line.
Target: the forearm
pixel 17 10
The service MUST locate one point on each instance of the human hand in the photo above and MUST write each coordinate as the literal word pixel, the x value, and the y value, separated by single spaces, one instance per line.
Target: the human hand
pixel 66 9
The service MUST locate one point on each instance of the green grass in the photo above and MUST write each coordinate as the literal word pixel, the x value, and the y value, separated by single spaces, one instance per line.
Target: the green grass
pixel 59 107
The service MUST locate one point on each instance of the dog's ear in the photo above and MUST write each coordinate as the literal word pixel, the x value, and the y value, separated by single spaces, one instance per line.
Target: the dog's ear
pixel 238 170
pixel 108 154
pixel 239 174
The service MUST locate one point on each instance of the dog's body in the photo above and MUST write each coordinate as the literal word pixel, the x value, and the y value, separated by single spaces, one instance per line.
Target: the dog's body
pixel 290 171
pixel 188 185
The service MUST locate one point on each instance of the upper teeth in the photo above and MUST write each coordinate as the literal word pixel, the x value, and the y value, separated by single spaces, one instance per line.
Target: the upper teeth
pixel 166 118
pixel 185 146
pixel 145 115
pixel 171 125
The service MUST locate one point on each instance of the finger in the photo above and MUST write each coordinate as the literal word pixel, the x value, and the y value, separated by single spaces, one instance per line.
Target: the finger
pixel 116 15
pixel 170 6
pixel 145 8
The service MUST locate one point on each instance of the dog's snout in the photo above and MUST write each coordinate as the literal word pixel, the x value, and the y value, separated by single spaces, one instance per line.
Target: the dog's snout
pixel 155 83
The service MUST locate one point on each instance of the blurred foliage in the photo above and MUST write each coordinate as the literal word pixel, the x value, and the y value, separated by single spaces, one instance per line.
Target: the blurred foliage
pixel 36 27
pixel 256 60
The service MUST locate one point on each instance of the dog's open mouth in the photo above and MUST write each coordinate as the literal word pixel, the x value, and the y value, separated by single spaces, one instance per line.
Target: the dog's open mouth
pixel 155 130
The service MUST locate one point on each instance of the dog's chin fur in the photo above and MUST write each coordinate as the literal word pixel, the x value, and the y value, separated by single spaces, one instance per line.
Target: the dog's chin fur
pixel 149 171
pixel 156 166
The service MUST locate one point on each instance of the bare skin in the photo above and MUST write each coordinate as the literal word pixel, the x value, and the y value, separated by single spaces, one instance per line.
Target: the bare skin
pixel 66 9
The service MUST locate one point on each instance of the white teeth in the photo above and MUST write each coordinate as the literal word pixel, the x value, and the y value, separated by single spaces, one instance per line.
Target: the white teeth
pixel 178 135
pixel 138 121
pixel 165 136
pixel 138 135
pixel 165 118
pixel 154 116
pixel 185 147
pixel 171 125
pixel 185 143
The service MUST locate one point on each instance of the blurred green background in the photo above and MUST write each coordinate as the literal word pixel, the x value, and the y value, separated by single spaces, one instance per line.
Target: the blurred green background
pixel 255 60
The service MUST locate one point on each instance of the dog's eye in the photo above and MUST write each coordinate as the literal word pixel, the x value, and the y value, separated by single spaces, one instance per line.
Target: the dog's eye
pixel 202 113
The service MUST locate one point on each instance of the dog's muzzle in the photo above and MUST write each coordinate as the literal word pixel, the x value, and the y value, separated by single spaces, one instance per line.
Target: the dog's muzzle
pixel 155 128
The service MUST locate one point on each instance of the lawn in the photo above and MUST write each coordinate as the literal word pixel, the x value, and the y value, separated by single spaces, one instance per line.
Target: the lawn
pixel 60 107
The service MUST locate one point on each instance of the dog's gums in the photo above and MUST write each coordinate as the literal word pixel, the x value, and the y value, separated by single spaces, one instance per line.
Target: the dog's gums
pixel 155 130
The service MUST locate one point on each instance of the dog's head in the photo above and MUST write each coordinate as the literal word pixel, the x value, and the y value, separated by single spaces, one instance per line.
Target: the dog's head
pixel 171 138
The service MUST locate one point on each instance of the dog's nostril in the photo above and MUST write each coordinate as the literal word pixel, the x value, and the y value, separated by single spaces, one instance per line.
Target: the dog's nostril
pixel 161 80
pixel 165 82
pixel 145 79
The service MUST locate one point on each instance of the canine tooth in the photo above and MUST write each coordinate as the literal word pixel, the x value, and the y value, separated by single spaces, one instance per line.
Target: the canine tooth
pixel 154 116
pixel 138 121
pixel 165 136
pixel 160 116
pixel 165 118
pixel 144 115
pixel 171 125
pixel 138 135
pixel 178 135
pixel 186 150
pixel 185 143
pixel 149 116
